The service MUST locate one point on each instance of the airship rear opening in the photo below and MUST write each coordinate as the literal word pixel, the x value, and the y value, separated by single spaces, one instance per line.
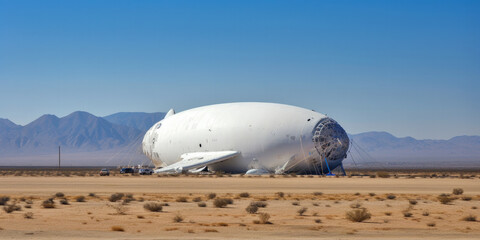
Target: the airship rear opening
pixel 331 140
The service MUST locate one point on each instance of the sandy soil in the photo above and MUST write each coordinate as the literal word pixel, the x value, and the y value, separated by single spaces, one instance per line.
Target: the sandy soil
pixel 323 219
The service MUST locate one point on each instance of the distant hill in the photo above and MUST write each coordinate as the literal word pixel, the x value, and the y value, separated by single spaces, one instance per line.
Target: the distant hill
pixel 6 124
pixel 139 120
pixel 80 132
pixel 383 149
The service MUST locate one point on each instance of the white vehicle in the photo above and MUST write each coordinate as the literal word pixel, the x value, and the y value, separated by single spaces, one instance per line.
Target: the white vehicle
pixel 145 171
pixel 252 138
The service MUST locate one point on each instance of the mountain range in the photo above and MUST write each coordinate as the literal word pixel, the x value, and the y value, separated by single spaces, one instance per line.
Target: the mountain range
pixel 383 150
pixel 115 139
pixel 138 120
pixel 84 139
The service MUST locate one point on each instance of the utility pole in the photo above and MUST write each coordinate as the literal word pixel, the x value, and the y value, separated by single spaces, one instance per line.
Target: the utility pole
pixel 59 157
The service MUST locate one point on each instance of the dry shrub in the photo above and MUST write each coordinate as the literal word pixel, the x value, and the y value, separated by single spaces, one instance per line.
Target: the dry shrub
pixel 391 196
pixel 197 199
pixel 262 218
pixel 202 204
pixel 260 204
pixel 355 205
pixel 4 200
pixel 317 193
pixel 426 214
pixel 140 217
pixel 431 224
pixel 466 198
pixel 28 215
pixel 28 206
pixel 210 230
pixel 64 201
pixel 119 208
pixel 178 218
pixel 444 199
pixel 263 199
pixel 11 208
pixel 116 197
pixel 318 220
pixel 244 195
pixel 118 229
pixel 407 214
pixel 412 201
pixel 221 224
pixel 222 202
pixel 358 215
pixel 371 194
pixel 388 213
pixel 92 195
pixel 181 199
pixel 153 206
pixel 80 199
pixel 49 203
pixel 295 203
pixel 383 174
pixel 251 209
pixel 211 195
pixel 470 218
pixel 301 211
pixel 280 194
pixel 457 191
pixel 128 198
pixel 59 195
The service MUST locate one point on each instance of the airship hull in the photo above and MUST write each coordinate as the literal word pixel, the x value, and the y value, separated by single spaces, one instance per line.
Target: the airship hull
pixel 268 136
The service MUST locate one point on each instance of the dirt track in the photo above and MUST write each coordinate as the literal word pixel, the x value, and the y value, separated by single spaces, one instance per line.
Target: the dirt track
pixel 264 185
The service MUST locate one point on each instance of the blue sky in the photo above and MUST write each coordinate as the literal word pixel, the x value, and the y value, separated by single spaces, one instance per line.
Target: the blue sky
pixel 411 68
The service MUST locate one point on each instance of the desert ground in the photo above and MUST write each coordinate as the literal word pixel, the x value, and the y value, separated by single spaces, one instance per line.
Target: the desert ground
pixel 83 206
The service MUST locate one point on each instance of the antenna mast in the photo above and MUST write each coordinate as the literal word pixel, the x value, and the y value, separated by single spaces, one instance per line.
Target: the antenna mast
pixel 58 156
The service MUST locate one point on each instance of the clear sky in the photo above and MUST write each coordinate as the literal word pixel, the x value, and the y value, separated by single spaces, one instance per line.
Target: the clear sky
pixel 411 68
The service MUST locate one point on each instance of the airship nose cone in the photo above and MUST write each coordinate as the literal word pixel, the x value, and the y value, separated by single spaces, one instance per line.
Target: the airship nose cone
pixel 330 139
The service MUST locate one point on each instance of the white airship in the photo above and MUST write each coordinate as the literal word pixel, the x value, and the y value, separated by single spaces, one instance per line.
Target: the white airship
pixel 250 137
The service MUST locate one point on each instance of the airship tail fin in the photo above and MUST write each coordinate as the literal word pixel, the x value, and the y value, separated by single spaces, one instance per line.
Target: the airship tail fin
pixel 169 113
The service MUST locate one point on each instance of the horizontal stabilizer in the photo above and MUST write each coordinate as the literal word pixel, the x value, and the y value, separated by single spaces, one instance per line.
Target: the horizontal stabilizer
pixel 257 172
pixel 196 160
